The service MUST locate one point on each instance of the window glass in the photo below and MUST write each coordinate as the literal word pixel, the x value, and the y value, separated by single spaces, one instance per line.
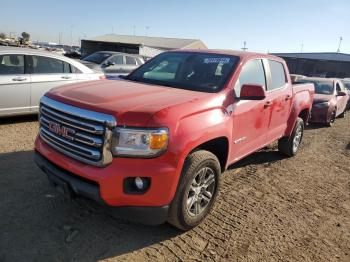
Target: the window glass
pixel 278 76
pixel 130 60
pixel 203 72
pixel 75 70
pixel 323 87
pixel 252 73
pixel 139 61
pixel 118 59
pixel 66 68
pixel 46 65
pixel 11 64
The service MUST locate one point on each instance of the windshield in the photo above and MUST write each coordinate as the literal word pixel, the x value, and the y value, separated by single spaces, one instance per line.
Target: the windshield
pixel 321 87
pixel 193 71
pixel 97 58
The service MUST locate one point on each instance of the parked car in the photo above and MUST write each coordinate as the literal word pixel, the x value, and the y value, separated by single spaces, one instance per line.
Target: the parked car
pixel 330 99
pixel 346 83
pixel 153 145
pixel 113 62
pixel 26 74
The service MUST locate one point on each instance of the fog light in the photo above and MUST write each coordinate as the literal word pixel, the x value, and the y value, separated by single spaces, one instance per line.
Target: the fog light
pixel 139 183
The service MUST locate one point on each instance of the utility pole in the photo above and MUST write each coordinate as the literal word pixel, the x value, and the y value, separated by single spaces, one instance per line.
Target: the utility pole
pixel 302 47
pixel 340 40
pixel 71 36
pixel 244 48
pixel 134 30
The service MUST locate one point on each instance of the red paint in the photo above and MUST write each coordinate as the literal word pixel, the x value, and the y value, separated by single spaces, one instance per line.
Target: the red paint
pixel 192 118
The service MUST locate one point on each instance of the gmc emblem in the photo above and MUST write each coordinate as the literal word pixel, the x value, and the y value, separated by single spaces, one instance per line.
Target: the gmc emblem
pixel 61 130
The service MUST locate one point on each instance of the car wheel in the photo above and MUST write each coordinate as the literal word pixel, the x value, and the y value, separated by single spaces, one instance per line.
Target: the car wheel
pixel 197 190
pixel 289 145
pixel 332 118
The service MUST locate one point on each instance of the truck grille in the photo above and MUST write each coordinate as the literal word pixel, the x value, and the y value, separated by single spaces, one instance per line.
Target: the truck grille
pixel 78 133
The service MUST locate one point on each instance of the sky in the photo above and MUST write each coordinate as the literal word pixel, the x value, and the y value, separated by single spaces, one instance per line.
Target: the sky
pixel 265 25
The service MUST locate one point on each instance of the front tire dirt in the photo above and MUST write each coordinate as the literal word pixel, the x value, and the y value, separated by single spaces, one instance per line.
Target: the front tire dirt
pixel 289 145
pixel 197 190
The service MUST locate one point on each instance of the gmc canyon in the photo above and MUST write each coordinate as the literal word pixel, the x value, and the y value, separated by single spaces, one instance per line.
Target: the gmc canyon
pixel 153 144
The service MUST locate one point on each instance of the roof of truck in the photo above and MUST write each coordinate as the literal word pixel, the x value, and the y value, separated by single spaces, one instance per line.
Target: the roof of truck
pixel 242 54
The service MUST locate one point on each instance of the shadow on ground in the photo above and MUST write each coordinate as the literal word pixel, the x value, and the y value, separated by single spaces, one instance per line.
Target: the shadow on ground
pixel 18 119
pixel 38 224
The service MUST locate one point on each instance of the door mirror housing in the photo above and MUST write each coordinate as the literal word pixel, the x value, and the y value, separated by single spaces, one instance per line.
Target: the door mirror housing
pixel 252 92
pixel 341 93
pixel 109 63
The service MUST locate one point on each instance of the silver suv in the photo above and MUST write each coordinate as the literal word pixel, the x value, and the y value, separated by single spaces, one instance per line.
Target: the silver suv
pixel 111 62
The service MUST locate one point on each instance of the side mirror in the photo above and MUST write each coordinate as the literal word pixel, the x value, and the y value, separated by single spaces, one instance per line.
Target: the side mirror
pixel 109 63
pixel 252 92
pixel 341 93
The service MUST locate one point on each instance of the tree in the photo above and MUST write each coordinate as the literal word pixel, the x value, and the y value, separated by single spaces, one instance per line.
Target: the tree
pixel 2 36
pixel 25 36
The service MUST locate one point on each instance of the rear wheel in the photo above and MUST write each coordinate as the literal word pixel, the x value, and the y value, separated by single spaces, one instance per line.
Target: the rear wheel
pixel 332 118
pixel 289 145
pixel 197 190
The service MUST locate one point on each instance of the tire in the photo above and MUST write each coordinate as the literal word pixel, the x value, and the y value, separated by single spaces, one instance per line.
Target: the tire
pixel 289 145
pixel 332 118
pixel 199 167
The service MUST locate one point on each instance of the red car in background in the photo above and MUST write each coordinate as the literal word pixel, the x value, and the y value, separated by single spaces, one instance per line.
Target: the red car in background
pixel 330 100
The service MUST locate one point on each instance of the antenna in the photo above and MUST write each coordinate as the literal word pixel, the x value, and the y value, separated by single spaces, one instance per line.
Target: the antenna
pixel 340 40
pixel 244 48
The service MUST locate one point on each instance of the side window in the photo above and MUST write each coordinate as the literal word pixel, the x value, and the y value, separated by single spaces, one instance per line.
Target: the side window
pixel 75 70
pixel 11 64
pixel 139 61
pixel 338 87
pixel 278 75
pixel 252 73
pixel 117 59
pixel 47 65
pixel 66 68
pixel 130 60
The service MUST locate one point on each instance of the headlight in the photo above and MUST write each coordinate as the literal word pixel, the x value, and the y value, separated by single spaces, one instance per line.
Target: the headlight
pixel 322 104
pixel 136 142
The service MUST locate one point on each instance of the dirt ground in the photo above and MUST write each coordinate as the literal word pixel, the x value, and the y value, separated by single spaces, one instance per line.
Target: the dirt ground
pixel 270 209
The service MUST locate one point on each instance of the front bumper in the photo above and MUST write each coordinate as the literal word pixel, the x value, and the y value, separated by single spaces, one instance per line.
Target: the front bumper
pixel 72 185
pixel 319 115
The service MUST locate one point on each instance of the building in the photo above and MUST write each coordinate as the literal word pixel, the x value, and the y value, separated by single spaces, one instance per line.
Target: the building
pixel 318 64
pixel 142 45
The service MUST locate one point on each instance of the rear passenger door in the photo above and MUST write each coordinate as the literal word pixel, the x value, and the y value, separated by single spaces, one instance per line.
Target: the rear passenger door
pixel 278 98
pixel 130 64
pixel 47 73
pixel 14 85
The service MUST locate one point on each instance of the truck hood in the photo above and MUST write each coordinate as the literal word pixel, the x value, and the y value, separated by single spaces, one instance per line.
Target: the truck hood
pixel 318 98
pixel 132 103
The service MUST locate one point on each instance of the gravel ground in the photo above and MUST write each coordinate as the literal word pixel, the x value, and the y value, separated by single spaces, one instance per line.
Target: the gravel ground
pixel 270 209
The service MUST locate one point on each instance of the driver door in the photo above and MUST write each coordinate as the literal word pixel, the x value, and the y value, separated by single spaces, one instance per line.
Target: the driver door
pixel 250 117
pixel 114 65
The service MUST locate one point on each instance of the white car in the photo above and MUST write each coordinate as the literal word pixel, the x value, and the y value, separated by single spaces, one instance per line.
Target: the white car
pixel 27 74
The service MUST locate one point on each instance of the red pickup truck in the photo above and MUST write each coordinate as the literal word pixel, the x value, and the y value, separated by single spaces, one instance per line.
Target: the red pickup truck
pixel 153 144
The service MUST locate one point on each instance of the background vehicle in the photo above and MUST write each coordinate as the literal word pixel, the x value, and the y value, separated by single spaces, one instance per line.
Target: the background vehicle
pixel 330 99
pixel 346 83
pixel 153 146
pixel 113 62
pixel 26 74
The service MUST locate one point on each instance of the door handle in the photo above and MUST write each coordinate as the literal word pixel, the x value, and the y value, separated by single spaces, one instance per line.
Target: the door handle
pixel 19 78
pixel 66 77
pixel 267 104
pixel 288 97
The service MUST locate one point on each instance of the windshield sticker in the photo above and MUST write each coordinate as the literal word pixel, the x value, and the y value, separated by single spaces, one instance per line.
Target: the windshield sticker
pixel 217 60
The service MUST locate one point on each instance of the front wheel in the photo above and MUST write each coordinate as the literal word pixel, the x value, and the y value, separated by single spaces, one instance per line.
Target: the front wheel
pixel 197 190
pixel 289 145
